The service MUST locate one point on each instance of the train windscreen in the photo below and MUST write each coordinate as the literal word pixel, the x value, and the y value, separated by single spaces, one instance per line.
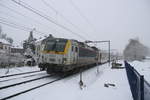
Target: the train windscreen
pixel 57 45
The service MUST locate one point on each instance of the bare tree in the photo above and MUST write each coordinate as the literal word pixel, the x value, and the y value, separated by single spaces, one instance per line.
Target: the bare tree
pixel 135 50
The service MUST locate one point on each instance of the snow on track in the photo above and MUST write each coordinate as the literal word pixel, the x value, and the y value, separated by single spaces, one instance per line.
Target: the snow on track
pixel 20 80
pixel 68 88
pixel 19 88
pixel 21 76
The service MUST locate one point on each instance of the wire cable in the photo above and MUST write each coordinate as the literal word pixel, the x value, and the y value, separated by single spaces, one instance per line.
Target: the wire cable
pixel 36 21
pixel 46 18
pixel 82 15
pixel 67 20
pixel 14 25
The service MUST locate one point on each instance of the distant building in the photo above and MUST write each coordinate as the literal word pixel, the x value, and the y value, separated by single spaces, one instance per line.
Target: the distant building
pixel 5 47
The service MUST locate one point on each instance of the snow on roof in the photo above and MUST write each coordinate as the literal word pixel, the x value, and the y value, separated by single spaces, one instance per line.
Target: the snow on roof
pixel 42 38
pixel 4 41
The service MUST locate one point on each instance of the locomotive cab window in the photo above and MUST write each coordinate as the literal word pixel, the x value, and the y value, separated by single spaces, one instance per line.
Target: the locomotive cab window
pixel 56 45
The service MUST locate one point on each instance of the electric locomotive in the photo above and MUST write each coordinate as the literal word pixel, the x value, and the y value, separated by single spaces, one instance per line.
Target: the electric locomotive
pixel 62 55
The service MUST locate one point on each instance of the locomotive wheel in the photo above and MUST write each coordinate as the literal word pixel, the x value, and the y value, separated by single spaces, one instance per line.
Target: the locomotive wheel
pixel 48 70
pixel 41 66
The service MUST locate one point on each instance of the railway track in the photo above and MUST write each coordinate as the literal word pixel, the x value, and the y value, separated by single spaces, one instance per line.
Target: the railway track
pixel 25 90
pixel 23 82
pixel 19 74
pixel 10 79
pixel 19 88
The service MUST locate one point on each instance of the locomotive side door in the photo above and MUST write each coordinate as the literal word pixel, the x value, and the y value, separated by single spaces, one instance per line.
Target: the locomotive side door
pixel 74 54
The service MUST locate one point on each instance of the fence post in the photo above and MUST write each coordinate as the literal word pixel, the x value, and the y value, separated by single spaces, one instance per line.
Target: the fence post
pixel 142 87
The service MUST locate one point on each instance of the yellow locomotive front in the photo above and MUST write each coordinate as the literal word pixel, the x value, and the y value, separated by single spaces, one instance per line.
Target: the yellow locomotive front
pixel 54 54
pixel 62 55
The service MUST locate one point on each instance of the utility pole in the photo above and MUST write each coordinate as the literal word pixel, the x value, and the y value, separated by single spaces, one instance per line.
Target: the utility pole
pixel 9 58
pixel 109 51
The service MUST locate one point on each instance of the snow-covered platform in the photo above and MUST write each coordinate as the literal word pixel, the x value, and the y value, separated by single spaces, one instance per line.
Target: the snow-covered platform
pixel 143 68
pixel 93 89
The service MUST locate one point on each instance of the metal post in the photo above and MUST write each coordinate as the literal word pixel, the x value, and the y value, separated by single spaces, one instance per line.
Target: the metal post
pixel 80 75
pixel 97 67
pixel 8 63
pixel 109 51
pixel 142 87
pixel 81 82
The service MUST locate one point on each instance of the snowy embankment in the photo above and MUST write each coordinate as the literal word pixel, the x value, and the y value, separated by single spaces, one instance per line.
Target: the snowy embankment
pixel 93 89
pixel 143 68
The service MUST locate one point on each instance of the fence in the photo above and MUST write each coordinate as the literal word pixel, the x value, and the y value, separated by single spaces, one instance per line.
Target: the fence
pixel 140 88
pixel 146 90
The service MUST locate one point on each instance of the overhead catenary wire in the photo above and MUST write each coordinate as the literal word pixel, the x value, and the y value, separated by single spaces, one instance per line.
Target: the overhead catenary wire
pixel 48 5
pixel 12 26
pixel 46 18
pixel 21 27
pixel 32 19
pixel 12 23
pixel 61 15
pixel 82 15
pixel 16 27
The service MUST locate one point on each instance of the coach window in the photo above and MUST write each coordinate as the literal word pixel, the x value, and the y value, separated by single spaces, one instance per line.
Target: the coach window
pixel 76 49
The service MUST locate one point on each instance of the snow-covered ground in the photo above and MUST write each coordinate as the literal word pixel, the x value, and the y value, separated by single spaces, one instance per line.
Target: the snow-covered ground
pixel 143 68
pixel 94 89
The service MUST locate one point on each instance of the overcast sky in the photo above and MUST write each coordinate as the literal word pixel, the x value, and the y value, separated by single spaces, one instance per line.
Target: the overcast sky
pixel 114 20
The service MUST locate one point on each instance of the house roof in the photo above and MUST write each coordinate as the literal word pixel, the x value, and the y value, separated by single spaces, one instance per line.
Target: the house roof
pixel 4 41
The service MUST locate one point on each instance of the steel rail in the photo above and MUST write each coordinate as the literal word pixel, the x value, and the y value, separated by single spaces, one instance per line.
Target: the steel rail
pixel 16 94
pixel 19 74
pixel 19 83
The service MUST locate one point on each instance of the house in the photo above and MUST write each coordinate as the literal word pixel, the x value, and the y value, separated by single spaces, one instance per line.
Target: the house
pixel 5 46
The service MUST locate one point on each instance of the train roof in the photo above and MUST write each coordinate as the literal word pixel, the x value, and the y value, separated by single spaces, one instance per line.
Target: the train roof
pixel 81 44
